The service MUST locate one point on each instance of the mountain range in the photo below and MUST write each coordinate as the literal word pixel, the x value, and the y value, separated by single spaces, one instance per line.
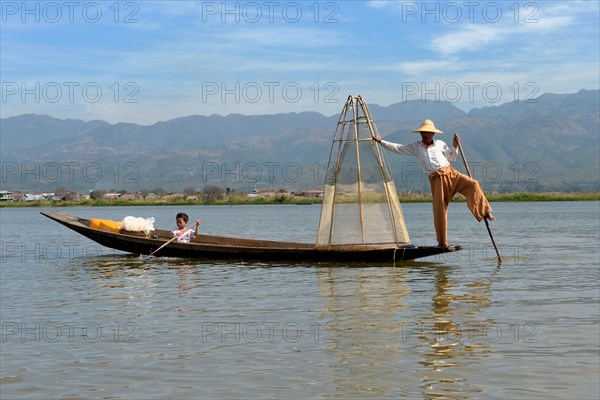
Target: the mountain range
pixel 550 143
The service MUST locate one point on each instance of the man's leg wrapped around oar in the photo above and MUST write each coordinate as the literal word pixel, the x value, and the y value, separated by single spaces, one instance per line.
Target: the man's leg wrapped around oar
pixel 445 183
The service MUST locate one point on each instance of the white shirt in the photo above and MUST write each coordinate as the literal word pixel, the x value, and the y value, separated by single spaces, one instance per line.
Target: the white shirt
pixel 186 237
pixel 433 157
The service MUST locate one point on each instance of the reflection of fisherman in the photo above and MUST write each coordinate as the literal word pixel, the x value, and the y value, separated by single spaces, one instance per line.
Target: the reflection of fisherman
pixel 435 157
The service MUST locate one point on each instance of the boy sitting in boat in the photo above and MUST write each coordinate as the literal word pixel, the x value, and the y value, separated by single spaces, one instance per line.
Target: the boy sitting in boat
pixel 184 235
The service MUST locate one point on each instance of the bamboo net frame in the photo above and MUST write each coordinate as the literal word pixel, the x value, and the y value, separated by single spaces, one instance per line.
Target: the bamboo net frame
pixel 360 202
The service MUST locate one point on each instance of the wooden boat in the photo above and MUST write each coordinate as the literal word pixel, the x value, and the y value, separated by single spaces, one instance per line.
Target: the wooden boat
pixel 219 247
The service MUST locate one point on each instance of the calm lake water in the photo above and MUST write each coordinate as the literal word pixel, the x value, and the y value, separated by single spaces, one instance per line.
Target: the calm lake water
pixel 82 321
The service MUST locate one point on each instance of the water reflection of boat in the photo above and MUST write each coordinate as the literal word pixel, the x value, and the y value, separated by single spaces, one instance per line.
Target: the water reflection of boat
pixel 453 339
pixel 361 310
pixel 382 336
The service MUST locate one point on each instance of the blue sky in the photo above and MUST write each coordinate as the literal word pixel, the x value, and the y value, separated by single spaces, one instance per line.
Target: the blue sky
pixel 147 61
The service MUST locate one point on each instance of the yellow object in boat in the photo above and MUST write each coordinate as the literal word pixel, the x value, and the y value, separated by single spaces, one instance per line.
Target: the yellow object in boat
pixel 106 225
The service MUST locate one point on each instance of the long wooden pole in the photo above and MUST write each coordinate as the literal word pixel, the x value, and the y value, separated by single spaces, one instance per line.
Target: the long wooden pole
pixel 487 224
pixel 171 240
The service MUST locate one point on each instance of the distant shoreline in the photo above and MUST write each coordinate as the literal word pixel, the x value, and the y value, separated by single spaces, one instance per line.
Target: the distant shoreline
pixel 286 199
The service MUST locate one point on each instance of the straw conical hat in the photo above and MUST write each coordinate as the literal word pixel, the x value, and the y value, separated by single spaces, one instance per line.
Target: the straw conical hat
pixel 427 126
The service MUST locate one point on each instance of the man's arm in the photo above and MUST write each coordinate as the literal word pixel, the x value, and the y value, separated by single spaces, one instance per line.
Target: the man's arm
pixel 404 149
pixel 452 154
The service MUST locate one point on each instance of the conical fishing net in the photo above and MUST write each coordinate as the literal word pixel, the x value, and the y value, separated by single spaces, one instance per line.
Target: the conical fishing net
pixel 360 202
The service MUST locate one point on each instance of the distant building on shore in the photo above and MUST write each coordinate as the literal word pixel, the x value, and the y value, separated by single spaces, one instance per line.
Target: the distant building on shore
pixel 37 197
pixel 6 196
pixel 261 193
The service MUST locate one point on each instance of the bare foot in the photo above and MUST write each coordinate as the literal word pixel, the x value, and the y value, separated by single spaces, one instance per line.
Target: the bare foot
pixel 490 217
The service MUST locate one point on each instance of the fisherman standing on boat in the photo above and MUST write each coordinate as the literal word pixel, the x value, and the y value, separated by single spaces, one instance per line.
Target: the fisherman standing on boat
pixel 435 157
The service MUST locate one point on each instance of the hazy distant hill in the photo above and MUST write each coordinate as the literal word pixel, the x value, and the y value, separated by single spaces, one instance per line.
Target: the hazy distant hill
pixel 550 144
pixel 30 129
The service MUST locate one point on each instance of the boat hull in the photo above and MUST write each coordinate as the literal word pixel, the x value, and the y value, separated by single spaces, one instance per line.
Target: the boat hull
pixel 218 247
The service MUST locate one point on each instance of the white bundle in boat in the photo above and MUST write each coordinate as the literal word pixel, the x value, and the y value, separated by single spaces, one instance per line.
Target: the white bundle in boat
pixel 138 224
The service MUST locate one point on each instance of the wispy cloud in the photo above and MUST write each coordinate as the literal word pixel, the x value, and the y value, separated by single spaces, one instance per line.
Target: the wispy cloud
pixel 421 67
pixel 469 38
pixel 474 37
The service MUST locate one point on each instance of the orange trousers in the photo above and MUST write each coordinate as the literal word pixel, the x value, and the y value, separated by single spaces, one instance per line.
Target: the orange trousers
pixel 445 183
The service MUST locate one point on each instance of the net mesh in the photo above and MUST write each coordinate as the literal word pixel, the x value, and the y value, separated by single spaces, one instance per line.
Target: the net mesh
pixel 360 202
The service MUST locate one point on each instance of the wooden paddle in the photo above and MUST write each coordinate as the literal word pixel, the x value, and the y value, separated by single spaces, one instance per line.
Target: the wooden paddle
pixel 487 225
pixel 184 231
